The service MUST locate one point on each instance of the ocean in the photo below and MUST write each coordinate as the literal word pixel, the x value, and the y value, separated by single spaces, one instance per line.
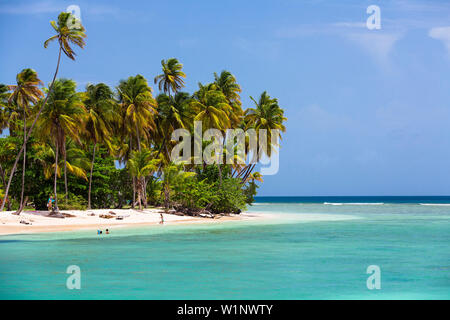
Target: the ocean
pixel 316 248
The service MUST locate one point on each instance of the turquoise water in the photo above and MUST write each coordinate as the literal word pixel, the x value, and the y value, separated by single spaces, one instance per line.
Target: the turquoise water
pixel 311 251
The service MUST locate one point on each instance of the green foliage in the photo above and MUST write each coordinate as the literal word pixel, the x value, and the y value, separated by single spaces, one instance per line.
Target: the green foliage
pixel 196 194
pixel 74 202
pixel 250 192
pixel 230 197
pixel 154 189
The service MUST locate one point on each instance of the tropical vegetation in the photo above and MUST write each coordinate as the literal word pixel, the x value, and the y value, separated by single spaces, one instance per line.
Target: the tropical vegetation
pixel 103 147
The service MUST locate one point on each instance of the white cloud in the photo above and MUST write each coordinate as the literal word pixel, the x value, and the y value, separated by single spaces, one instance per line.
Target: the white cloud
pixel 442 34
pixel 378 45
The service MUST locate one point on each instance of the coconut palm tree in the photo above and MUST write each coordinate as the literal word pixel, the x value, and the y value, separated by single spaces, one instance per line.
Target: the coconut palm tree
pixel 213 110
pixel 138 105
pixel 138 110
pixel 170 80
pixel 24 93
pixel 174 112
pixel 141 165
pixel 226 83
pixel 172 77
pixel 100 106
pixel 61 118
pixel 67 33
pixel 45 154
pixel 267 115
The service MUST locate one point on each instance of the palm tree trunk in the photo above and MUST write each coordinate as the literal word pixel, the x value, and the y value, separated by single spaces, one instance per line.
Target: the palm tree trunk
pixel 166 197
pixel 90 177
pixel 66 196
pixel 139 187
pixel 220 175
pixel 138 138
pixel 244 178
pixel 13 170
pixel 145 193
pixel 56 176
pixel 24 156
pixel 2 174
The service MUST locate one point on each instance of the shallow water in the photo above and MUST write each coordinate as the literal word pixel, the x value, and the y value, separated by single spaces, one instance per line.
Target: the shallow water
pixel 311 251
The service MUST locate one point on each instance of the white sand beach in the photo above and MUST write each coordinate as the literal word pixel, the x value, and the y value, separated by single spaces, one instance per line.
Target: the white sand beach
pixel 38 221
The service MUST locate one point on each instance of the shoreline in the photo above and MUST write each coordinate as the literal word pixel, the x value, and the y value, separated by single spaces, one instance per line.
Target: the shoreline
pixel 83 220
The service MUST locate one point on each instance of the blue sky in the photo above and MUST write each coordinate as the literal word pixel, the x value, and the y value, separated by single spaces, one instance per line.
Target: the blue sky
pixel 369 110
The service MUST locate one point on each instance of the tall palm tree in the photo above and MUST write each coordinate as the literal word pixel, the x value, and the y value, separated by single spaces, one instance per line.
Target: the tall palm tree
pixel 100 106
pixel 24 93
pixel 139 106
pixel 170 80
pixel 45 154
pixel 227 83
pixel 212 108
pixel 172 77
pixel 141 165
pixel 138 110
pixel 61 118
pixel 213 111
pixel 267 115
pixel 67 32
pixel 173 113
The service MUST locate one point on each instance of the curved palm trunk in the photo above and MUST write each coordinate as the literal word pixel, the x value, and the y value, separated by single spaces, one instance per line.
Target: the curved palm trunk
pixel 139 187
pixel 166 197
pixel 24 157
pixel 138 138
pixel 134 193
pixel 90 177
pixel 56 176
pixel 245 177
pixel 134 181
pixel 66 196
pixel 13 170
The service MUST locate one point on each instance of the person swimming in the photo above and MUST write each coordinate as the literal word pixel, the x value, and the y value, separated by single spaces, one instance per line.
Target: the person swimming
pixel 107 231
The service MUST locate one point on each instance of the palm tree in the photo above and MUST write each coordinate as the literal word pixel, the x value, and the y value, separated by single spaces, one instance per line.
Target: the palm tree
pixel 26 91
pixel 61 117
pixel 141 165
pixel 172 77
pixel 139 107
pixel 170 80
pixel 212 108
pixel 226 83
pixel 45 154
pixel 173 113
pixel 213 111
pixel 67 32
pixel 267 115
pixel 99 104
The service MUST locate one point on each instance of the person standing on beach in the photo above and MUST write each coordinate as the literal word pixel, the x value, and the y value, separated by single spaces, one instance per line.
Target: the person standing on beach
pixel 50 203
pixel 162 218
